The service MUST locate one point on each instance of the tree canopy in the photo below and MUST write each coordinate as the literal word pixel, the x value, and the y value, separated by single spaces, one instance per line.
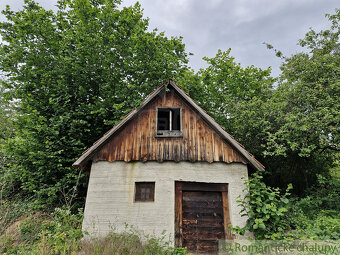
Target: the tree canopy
pixel 74 73
pixel 291 124
pixel 307 101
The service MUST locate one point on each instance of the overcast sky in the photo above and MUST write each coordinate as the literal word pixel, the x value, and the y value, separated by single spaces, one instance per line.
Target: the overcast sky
pixel 242 25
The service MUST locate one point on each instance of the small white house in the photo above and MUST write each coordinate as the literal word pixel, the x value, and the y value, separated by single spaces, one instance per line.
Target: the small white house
pixel 167 167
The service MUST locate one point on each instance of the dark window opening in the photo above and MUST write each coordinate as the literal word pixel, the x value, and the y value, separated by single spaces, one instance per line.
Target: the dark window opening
pixel 163 119
pixel 169 119
pixel 145 191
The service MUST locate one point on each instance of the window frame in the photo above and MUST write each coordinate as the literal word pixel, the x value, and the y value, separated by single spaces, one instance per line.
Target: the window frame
pixel 169 133
pixel 137 196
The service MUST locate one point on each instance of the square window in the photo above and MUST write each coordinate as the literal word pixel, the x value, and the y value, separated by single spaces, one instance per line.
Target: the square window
pixel 169 122
pixel 145 192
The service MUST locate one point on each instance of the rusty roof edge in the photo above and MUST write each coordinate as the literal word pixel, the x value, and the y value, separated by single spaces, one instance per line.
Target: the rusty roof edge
pixel 96 145
pixel 212 122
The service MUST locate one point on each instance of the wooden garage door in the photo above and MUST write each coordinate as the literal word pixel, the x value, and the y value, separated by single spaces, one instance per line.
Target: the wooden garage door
pixel 202 221
pixel 202 216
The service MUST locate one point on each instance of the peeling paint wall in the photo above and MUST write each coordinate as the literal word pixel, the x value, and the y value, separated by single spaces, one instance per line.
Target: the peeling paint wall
pixel 110 200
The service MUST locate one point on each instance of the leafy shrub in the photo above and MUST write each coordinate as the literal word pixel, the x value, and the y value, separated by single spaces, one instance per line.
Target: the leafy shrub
pixel 266 209
pixel 30 229
pixel 10 210
pixel 61 235
pixel 55 233
pixel 317 216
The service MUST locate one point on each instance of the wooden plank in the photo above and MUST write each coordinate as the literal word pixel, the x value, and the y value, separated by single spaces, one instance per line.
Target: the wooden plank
pixel 176 152
pixel 216 149
pixel 213 234
pixel 202 203
pixel 226 215
pixel 204 215
pixel 168 146
pixel 188 142
pixel 204 154
pixel 144 131
pixel 164 150
pixel 128 137
pixel 178 214
pixel 160 152
pixel 199 186
pixel 213 145
pixel 229 154
pixel 187 223
pixel 198 139
pixel 201 140
pixel 191 138
pixel 208 147
pixel 209 212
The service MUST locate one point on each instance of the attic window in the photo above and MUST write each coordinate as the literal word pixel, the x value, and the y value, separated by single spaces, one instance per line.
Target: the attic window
pixel 169 122
pixel 145 192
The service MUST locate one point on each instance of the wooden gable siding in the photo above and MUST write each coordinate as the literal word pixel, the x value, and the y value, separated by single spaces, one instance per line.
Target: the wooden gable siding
pixel 137 141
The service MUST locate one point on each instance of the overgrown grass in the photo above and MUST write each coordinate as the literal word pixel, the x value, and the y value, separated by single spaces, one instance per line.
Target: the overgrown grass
pixel 127 243
pixel 60 233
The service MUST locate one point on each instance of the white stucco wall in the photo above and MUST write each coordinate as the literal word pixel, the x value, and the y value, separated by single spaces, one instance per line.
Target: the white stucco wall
pixel 110 198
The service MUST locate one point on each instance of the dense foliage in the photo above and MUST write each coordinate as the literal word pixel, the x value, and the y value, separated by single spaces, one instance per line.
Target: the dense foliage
pixel 317 216
pixel 291 124
pixel 306 133
pixel 6 132
pixel 74 73
pixel 266 209
pixel 276 215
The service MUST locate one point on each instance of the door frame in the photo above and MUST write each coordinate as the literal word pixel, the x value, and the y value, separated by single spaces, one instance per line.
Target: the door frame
pixel 199 186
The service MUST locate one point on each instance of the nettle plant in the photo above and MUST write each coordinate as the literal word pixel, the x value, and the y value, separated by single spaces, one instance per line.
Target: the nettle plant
pixel 266 208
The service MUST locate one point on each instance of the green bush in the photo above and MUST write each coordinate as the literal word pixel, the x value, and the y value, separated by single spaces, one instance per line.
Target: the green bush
pixel 266 209
pixel 11 210
pixel 317 216
pixel 30 229
pixel 314 217
pixel 41 233
pixel 61 235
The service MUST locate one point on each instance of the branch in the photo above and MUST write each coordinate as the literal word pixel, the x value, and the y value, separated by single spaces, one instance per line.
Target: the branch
pixel 330 148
